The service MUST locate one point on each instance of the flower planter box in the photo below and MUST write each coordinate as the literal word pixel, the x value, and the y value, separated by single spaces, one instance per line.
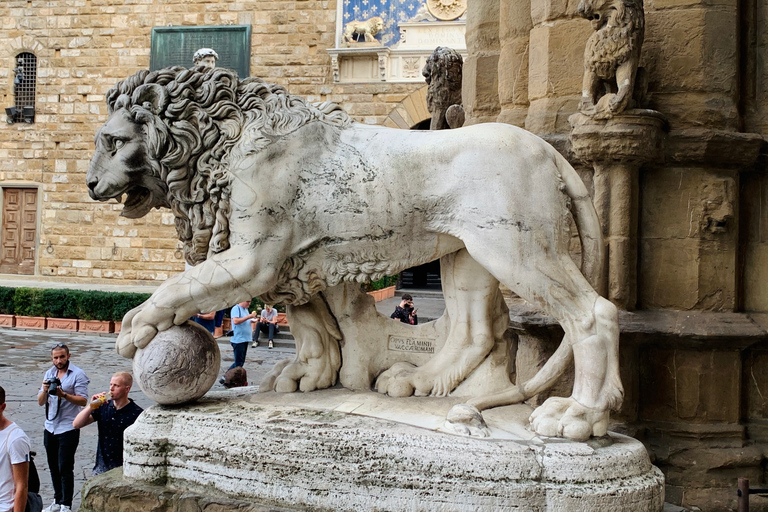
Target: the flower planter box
pixel 62 324
pixel 226 325
pixel 30 322
pixel 7 321
pixel 282 319
pixel 95 326
pixel 383 294
pixel 118 326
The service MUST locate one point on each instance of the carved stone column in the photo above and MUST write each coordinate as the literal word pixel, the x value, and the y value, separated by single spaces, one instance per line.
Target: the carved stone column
pixel 616 149
pixel 480 87
pixel 514 35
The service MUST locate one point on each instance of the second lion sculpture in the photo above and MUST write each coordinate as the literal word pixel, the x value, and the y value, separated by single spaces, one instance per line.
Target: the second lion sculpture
pixel 352 203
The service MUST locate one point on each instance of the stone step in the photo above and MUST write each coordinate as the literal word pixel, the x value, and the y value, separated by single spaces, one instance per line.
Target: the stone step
pixel 282 339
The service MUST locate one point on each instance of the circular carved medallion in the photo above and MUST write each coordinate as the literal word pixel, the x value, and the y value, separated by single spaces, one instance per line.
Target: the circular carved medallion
pixel 447 10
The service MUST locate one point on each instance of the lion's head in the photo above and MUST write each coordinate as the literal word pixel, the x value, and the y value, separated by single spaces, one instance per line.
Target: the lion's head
pixel 600 11
pixel 168 138
pixel 443 74
pixel 375 25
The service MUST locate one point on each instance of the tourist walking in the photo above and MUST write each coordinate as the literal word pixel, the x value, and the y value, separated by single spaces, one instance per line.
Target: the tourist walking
pixel 241 332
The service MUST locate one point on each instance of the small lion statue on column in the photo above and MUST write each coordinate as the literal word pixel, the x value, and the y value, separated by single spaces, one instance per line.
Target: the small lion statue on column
pixel 612 80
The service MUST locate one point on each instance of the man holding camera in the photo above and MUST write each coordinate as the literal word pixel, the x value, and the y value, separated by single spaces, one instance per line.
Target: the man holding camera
pixel 64 392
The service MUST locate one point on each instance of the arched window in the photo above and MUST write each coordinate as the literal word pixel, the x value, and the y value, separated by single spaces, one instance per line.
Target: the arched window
pixel 24 85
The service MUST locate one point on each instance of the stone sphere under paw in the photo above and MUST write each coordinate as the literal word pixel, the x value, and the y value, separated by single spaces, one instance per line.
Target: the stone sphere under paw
pixel 179 365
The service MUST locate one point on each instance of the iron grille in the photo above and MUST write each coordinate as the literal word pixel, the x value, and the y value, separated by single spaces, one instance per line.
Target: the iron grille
pixel 24 83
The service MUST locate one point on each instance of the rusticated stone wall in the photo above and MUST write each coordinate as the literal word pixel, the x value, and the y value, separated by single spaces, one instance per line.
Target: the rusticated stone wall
pixel 693 351
pixel 83 48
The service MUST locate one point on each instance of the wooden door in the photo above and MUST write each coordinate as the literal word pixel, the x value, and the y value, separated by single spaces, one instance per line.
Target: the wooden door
pixel 19 232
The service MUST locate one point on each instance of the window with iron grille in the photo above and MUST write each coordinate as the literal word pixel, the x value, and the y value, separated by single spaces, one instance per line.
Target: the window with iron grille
pixel 24 83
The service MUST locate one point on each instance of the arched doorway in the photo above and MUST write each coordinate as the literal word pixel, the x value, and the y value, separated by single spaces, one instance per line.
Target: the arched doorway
pixel 412 114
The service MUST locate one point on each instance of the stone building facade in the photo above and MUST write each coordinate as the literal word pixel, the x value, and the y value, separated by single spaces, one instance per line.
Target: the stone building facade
pixel 695 333
pixel 52 230
pixel 694 342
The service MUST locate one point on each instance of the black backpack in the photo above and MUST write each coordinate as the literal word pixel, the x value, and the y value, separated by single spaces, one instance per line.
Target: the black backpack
pixel 34 500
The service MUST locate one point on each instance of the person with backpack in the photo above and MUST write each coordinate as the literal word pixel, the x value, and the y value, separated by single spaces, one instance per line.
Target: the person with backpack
pixel 14 463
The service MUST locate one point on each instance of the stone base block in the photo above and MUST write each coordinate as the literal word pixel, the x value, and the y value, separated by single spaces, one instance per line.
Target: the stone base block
pixel 360 451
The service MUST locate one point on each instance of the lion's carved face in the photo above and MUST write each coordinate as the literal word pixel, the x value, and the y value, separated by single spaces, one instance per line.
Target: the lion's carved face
pixel 596 11
pixel 121 166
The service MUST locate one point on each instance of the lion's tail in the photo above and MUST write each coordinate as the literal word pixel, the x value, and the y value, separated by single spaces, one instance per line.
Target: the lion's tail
pixel 588 225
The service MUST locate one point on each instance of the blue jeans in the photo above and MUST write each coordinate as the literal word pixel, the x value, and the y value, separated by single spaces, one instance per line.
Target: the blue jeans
pixel 264 327
pixel 240 350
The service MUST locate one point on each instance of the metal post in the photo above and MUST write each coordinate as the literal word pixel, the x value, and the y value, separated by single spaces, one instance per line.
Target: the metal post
pixel 743 493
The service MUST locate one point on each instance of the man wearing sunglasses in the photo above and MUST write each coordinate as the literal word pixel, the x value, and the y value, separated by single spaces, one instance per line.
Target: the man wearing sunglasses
pixel 63 393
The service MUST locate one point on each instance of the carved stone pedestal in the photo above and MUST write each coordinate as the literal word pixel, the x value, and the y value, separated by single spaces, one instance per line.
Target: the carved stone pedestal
pixel 617 148
pixel 360 451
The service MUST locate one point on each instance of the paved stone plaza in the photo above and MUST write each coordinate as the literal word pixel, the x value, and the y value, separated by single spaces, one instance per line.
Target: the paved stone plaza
pixel 25 356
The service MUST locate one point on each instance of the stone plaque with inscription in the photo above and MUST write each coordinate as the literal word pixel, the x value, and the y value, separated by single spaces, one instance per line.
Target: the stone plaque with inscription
pixel 175 46
pixel 408 344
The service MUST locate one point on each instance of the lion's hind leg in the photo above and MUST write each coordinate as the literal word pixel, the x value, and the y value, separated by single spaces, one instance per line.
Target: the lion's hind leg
pixel 318 359
pixel 478 317
pixel 545 275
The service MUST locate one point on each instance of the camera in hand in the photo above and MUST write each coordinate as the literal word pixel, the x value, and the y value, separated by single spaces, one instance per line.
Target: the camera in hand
pixel 53 386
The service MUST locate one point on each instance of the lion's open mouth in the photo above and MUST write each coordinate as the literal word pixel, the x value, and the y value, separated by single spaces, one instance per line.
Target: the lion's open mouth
pixel 138 202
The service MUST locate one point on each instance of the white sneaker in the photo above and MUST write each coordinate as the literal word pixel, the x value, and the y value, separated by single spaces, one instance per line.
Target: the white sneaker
pixel 254 344
pixel 55 507
pixel 65 508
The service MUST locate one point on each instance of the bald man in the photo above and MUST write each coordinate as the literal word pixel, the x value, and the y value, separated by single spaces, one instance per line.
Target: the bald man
pixel 112 418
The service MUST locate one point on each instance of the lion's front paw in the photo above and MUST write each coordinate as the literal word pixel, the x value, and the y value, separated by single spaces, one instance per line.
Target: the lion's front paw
pixel 397 380
pixel 565 417
pixel 587 107
pixel 314 373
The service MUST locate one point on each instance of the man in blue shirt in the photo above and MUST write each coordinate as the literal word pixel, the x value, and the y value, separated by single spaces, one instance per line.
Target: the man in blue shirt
pixel 207 320
pixel 241 332
pixel 112 416
pixel 60 437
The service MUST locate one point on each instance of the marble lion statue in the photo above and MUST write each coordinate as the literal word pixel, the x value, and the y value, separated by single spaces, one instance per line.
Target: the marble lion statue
pixel 611 57
pixel 367 28
pixel 349 203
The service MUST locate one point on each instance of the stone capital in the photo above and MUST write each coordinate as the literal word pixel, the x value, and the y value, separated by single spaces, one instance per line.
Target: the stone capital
pixel 633 137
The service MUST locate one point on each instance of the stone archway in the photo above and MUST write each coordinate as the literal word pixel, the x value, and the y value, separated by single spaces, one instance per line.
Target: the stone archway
pixel 409 112
pixel 412 114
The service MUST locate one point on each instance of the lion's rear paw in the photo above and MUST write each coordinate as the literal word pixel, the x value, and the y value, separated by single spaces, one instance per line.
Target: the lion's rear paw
pixel 565 417
pixel 466 420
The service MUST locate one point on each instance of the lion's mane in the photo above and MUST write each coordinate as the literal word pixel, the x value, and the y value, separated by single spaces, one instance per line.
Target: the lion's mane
pixel 193 120
pixel 611 46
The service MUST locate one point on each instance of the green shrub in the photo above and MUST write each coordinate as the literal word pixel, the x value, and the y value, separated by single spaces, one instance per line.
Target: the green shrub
pixel 95 305
pixel 124 302
pixel 6 300
pixel 382 283
pixel 59 303
pixel 29 302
